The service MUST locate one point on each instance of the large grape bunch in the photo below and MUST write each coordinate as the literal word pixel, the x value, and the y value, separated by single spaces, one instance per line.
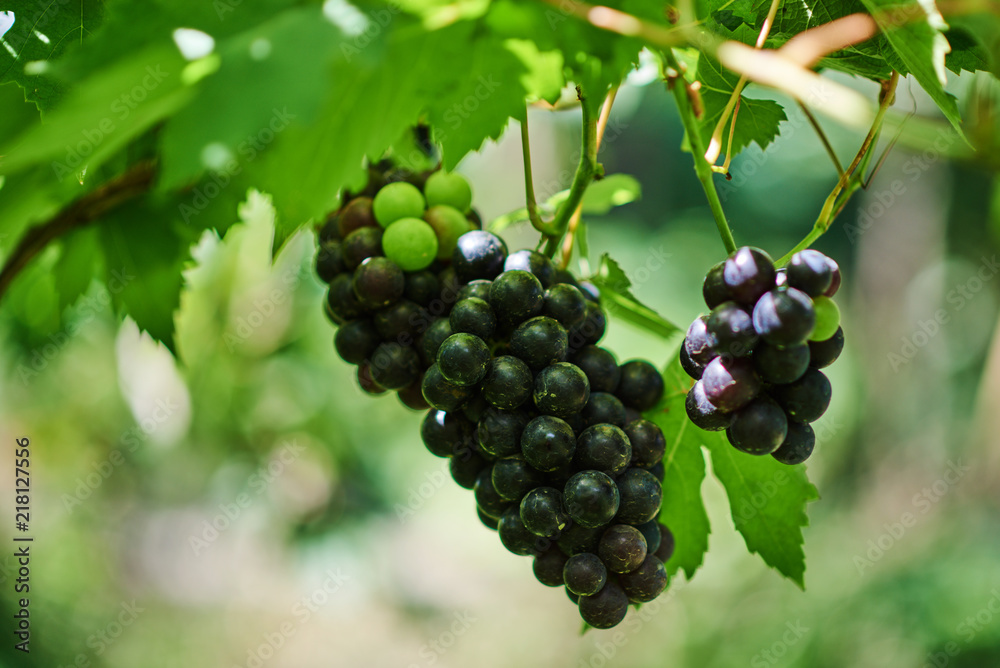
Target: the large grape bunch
pixel 544 426
pixel 756 357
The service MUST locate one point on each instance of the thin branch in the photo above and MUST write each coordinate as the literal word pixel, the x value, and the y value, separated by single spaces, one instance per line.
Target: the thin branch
pixel 702 167
pixel 823 138
pixel 78 214
pixel 574 221
pixel 529 187
pixel 834 203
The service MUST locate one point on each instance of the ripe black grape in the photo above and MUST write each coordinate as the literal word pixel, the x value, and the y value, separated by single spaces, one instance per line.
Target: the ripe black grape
pixel 798 444
pixel 431 340
pixel 759 427
pixel 356 214
pixel 487 499
pixel 473 316
pixel 466 467
pixel 784 317
pixel 508 383
pixel 641 385
pixel 690 367
pixel 730 385
pixel 394 366
pixel 513 478
pixel 591 498
pixel 412 396
pixel 534 263
pixel 622 548
pixel 703 413
pixel 592 329
pixel 584 574
pixel 330 261
pixel 601 368
pixel 606 608
pixel 548 443
pixel 640 495
pixel 714 289
pixel 699 343
pixel 360 245
pixel 548 567
pixel 422 287
pixel 810 271
pixel 561 390
pixel 783 364
pixel 825 353
pixel 514 535
pixel 648 443
pixel 499 432
pixel 441 393
pixel 516 296
pixel 646 582
pixel 603 407
pixel 747 274
pixel 577 539
pixel 603 447
pixel 463 359
pixel 566 304
pixel 478 254
pixel 400 322
pixel 356 340
pixel 479 288
pixel 666 548
pixel 651 532
pixel 444 434
pixel 341 301
pixel 542 511
pixel 732 328
pixel 378 282
pixel 539 342
pixel 806 399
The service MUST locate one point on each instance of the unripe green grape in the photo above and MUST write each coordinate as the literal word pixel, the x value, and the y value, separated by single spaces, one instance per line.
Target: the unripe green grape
pixel 449 224
pixel 397 201
pixel 827 319
pixel 410 243
pixel 450 189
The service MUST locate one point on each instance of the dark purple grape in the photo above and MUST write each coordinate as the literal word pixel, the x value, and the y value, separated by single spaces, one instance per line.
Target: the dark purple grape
pixel 394 366
pixel 780 278
pixel 463 359
pixel 591 498
pixel 441 393
pixel 478 254
pixel 487 498
pixel 378 282
pixel 465 468
pixel 508 383
pixel 513 478
pixel 646 582
pixel 798 444
pixel 488 522
pixel 606 608
pixel 691 368
pixel 666 548
pixel 759 427
pixel 603 447
pixel 499 432
pixel 534 263
pixel 730 385
pixel 699 342
pixel 330 261
pixel 479 288
pixel 444 434
pixel 640 495
pixel 548 443
pixel 601 368
pixel 422 287
pixel 584 574
pixel 341 302
pixel 542 511
pixel 548 567
pixel 703 413
pixel 561 390
pixel 366 382
pixel 592 329
pixel 539 342
pixel 566 304
pixel 747 274
pixel 604 407
pixel 784 317
pixel 356 214
pixel 330 230
pixel 834 279
pixel 473 316
pixel 360 245
pixel 732 328
pixel 651 532
pixel 714 289
pixel 578 539
pixel 356 340
pixel 825 353
pixel 811 272
pixel 806 399
pixel 780 364
pixel 412 396
pixel 622 548
pixel 514 535
pixel 648 443
pixel 402 322
pixel 641 385
pixel 431 340
pixel 516 296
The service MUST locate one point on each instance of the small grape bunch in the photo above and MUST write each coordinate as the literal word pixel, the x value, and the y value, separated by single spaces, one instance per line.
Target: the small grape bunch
pixel 756 357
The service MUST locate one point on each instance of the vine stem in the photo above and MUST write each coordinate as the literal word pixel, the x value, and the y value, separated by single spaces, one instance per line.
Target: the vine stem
pixel 574 221
pixel 823 138
pixel 529 186
pixel 849 180
pixel 585 172
pixel 702 167
pixel 81 212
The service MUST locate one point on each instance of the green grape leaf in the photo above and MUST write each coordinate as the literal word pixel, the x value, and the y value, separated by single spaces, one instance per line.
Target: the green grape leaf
pixel 618 300
pixel 145 251
pixel 919 47
pixel 767 501
pixel 682 511
pixel 543 78
pixel 757 122
pixel 78 264
pixel 968 52
pixel 609 192
pixel 39 33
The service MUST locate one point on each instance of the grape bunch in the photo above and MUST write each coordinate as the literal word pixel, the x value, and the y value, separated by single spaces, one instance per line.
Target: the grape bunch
pixel 544 426
pixel 756 357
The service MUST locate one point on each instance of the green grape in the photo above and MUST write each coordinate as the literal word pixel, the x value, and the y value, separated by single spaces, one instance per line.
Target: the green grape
pixel 397 201
pixel 827 319
pixel 449 224
pixel 410 243
pixel 450 189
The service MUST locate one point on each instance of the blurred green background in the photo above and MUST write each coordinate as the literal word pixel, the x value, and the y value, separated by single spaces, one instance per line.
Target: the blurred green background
pixel 247 505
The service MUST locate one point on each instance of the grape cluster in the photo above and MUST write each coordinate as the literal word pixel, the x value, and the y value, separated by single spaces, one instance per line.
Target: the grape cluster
pixel 756 357
pixel 544 426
